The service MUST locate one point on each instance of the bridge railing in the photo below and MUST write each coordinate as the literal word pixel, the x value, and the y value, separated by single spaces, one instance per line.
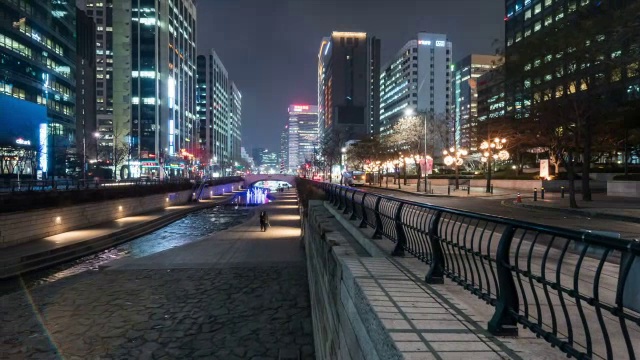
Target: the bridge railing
pixel 579 291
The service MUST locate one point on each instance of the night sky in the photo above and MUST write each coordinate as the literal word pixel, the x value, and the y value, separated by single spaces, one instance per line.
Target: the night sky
pixel 270 47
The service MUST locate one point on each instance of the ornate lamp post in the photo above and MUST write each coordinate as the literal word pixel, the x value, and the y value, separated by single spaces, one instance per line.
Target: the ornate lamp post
pixel 493 151
pixel 453 157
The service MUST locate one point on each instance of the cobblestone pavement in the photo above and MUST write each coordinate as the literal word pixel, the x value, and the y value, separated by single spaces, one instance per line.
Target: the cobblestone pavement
pixel 213 313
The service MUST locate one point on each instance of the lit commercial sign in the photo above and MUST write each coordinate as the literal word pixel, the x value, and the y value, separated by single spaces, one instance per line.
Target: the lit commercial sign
pixel 440 43
pixel 424 42
pixel 21 141
pixel 300 107
pixel 44 142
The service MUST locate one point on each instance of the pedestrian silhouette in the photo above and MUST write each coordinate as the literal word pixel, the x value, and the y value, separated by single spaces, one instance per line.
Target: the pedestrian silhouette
pixel 264 221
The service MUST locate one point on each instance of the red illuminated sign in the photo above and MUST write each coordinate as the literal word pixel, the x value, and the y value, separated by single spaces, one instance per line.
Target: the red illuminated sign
pixel 300 107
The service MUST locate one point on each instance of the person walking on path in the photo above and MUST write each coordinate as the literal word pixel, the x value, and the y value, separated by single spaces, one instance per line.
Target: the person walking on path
pixel 264 220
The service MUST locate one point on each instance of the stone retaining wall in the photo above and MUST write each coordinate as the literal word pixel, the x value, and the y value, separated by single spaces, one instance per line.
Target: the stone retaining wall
pixel 345 326
pixel 20 227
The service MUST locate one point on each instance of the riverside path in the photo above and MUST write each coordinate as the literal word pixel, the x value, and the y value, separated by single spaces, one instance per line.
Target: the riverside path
pixel 237 294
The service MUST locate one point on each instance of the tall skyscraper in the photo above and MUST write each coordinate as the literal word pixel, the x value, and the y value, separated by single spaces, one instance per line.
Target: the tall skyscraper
pixel 37 67
pixel 284 149
pixel 541 76
pixel 257 152
pixel 348 64
pixel 220 113
pixel 146 83
pixel 102 14
pixel 235 123
pixel 465 95
pixel 303 135
pixel 418 78
pixel 86 121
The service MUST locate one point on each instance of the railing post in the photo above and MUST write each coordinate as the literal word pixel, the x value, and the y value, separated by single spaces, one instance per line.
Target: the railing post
pixel 378 233
pixel 336 196
pixel 353 206
pixel 436 270
pixel 401 241
pixel 503 323
pixel 363 223
pixel 341 203
pixel 346 202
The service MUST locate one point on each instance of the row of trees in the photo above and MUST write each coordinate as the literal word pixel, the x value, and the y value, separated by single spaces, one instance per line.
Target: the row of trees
pixel 407 138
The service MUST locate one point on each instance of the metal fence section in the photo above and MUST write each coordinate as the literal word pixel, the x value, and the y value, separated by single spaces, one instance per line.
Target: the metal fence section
pixel 579 291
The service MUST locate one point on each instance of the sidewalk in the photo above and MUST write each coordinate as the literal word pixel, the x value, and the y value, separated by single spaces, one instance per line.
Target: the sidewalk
pixel 602 206
pixel 52 250
pixel 425 322
pixel 441 191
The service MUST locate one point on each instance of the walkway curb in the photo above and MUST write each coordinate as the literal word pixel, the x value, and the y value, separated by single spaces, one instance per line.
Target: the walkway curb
pixel 585 212
pixel 17 266
pixel 408 192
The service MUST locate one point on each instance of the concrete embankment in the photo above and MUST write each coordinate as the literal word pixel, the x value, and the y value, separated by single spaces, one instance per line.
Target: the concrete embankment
pixel 123 224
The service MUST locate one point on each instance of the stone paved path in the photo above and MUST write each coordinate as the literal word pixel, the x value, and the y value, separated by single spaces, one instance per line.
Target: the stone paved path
pixel 218 310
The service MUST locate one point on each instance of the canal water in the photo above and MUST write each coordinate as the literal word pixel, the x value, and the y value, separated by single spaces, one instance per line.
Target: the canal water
pixel 188 229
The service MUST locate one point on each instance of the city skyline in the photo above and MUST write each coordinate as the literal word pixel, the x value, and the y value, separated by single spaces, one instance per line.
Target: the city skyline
pixel 275 82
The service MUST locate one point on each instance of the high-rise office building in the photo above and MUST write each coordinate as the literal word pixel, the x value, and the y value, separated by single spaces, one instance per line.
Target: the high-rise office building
pixel 145 83
pixel 540 76
pixel 220 113
pixel 270 162
pixel 303 135
pixel 256 152
pixel 37 68
pixel 491 104
pixel 465 96
pixel 348 65
pixel 284 149
pixel 417 78
pixel 102 14
pixel 235 123
pixel 86 121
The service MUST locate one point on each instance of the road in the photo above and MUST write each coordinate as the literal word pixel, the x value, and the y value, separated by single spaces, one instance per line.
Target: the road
pixel 494 206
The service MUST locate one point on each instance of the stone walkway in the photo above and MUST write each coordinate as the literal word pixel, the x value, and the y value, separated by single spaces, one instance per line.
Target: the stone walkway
pixel 212 299
pixel 432 322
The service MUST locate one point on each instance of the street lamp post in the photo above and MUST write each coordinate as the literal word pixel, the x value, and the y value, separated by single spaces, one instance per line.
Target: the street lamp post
pixel 453 156
pixel 493 151
pixel 342 165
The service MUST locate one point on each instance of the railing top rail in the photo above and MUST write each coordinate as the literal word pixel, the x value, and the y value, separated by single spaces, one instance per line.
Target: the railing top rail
pixel 625 245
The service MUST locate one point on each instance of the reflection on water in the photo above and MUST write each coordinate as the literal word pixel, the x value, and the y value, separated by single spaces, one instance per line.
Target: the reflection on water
pixel 188 229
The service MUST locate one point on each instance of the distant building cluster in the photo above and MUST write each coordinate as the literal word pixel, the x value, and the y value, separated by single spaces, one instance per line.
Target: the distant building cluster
pixel 113 89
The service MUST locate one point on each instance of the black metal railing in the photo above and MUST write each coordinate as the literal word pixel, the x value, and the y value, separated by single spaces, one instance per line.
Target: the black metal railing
pixel 578 290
